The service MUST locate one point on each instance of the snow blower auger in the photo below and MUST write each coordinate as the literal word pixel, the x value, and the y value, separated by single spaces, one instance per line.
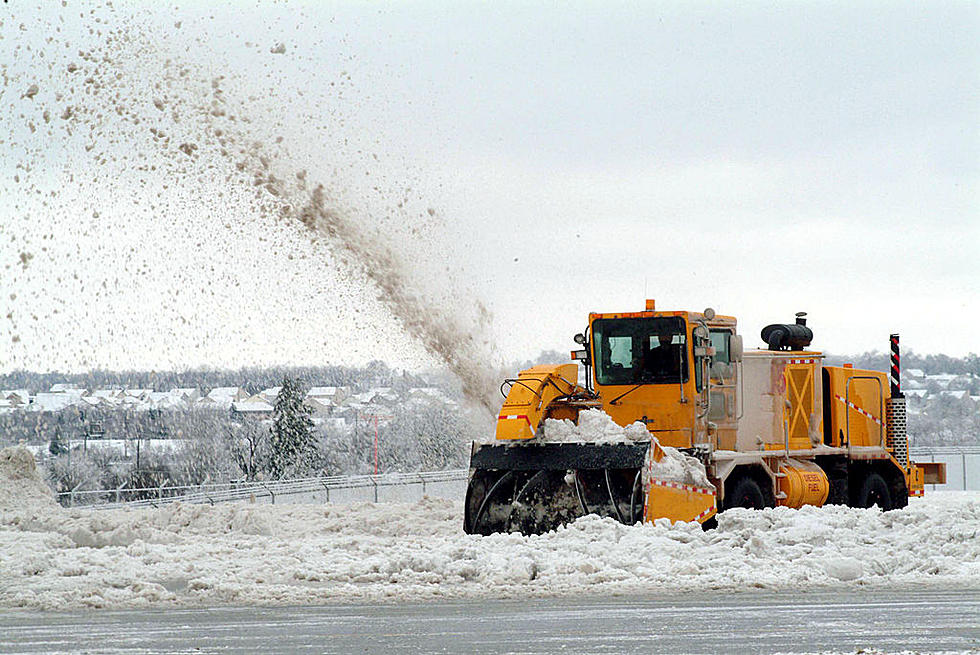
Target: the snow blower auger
pixel 531 482
pixel 675 421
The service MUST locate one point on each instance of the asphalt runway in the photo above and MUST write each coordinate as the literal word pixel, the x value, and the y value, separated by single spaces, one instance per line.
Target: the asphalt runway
pixel 748 622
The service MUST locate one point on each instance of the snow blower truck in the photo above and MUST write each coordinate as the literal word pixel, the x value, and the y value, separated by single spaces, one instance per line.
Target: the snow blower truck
pixel 773 426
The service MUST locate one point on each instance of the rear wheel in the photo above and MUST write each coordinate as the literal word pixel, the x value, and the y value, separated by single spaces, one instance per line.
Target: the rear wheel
pixel 747 493
pixel 899 493
pixel 873 491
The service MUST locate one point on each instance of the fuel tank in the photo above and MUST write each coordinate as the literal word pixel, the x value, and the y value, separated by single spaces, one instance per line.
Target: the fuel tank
pixel 803 483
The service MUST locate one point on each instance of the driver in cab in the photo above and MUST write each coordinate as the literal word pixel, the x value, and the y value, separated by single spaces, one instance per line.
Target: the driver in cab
pixel 662 361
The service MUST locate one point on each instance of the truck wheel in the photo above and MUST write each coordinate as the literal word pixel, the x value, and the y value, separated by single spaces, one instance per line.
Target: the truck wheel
pixel 838 491
pixel 899 494
pixel 746 493
pixel 874 491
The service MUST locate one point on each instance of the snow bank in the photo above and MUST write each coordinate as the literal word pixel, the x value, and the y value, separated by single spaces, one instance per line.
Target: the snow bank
pixel 183 555
pixel 21 486
pixel 596 426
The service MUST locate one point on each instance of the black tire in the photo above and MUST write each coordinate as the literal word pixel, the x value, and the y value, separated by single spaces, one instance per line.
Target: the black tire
pixel 710 524
pixel 747 493
pixel 899 492
pixel 838 491
pixel 873 491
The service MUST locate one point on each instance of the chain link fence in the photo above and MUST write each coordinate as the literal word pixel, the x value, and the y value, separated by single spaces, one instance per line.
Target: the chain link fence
pixel 962 472
pixel 389 487
pixel 962 464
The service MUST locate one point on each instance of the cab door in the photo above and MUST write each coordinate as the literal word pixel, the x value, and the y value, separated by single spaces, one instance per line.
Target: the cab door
pixel 722 390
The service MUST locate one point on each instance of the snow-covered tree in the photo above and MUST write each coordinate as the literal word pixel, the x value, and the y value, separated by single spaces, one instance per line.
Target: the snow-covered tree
pixel 73 471
pixel 293 442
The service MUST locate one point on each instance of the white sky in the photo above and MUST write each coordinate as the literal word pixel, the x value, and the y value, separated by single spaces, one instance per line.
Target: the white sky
pixel 759 158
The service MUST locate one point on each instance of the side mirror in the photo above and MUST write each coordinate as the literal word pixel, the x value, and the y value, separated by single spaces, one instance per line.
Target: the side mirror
pixel 735 348
pixel 579 339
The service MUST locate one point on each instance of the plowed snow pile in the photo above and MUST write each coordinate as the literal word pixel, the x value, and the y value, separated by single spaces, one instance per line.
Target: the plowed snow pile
pixel 243 554
pixel 596 426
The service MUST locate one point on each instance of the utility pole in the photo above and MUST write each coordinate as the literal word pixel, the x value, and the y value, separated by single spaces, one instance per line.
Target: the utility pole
pixel 375 418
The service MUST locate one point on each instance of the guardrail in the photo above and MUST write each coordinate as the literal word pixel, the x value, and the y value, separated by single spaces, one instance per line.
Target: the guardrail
pixel 271 490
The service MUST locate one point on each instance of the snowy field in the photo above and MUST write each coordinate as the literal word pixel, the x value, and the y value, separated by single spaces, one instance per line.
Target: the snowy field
pixel 197 555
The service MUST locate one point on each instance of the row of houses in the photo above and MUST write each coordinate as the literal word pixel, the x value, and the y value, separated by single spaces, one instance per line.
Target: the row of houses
pixel 338 402
pixel 918 385
pixel 345 402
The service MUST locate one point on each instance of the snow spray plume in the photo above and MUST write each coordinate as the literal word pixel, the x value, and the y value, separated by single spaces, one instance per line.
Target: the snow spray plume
pixel 437 328
pixel 143 97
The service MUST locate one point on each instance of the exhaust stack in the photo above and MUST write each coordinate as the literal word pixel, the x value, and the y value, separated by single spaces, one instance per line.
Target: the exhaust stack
pixel 895 414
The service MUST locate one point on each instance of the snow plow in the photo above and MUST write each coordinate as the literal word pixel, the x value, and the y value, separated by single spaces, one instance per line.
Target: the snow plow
pixel 675 421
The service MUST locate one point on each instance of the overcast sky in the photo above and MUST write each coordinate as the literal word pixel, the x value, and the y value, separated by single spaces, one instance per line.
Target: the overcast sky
pixel 758 158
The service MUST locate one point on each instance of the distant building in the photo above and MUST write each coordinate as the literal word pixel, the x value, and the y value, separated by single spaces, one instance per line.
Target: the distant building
pixel 431 394
pixel 329 395
pixel 254 407
pixel 18 398
pixel 53 402
pixel 187 394
pixel 941 379
pixel 377 397
pixel 270 394
pixel 223 397
pixel 109 396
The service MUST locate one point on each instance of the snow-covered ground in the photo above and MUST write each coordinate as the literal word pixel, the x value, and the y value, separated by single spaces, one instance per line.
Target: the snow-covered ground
pixel 183 555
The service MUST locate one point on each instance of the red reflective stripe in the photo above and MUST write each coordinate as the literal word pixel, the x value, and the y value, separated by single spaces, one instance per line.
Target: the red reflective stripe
pixel 503 417
pixel 678 485
pixel 704 513
pixel 858 409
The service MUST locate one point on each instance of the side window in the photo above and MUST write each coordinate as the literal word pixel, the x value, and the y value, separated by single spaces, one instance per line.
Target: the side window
pixel 721 364
pixel 698 366
pixel 720 340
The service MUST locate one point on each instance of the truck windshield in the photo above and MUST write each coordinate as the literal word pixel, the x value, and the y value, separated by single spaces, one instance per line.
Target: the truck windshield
pixel 639 350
